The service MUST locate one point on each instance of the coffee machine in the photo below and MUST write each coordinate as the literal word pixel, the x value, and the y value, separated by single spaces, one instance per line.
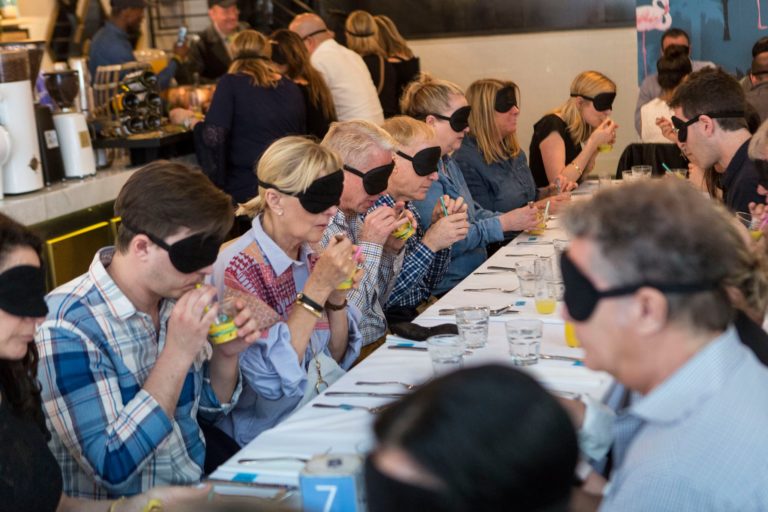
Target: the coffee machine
pixel 19 150
pixel 50 154
pixel 71 127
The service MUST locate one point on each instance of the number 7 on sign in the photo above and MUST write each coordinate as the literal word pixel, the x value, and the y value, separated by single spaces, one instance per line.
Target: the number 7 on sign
pixel 331 490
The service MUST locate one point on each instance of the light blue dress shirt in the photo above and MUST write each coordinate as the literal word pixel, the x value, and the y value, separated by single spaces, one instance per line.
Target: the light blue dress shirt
pixel 699 441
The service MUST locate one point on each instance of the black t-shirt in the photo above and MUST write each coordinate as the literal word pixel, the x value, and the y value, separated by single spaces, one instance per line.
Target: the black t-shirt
pixel 30 477
pixel 387 88
pixel 541 130
pixel 317 123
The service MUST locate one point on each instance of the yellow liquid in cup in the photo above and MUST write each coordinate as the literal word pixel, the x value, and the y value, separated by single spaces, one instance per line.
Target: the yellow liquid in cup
pixel 570 336
pixel 545 306
pixel 604 148
pixel 756 234
pixel 404 232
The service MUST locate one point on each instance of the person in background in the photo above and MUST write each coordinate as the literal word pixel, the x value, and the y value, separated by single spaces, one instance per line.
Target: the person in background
pixel 428 251
pixel 311 334
pixel 442 105
pixel 252 107
pixel 130 383
pixel 458 443
pixel 760 46
pixel 30 478
pixel 344 71
pixel 362 37
pixel 711 128
pixel 366 152
pixel 211 55
pixel 566 141
pixel 673 66
pixel 112 43
pixel 292 60
pixel 661 325
pixel 407 65
pixel 490 158
pixel 650 87
pixel 757 96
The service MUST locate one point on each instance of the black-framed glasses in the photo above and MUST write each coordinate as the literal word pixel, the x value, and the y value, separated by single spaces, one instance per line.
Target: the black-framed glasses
pixel 681 127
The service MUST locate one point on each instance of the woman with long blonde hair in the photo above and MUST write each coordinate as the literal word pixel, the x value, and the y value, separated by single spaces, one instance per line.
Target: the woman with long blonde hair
pixel 252 107
pixel 292 60
pixel 407 65
pixel 363 38
pixel 566 141
pixel 490 158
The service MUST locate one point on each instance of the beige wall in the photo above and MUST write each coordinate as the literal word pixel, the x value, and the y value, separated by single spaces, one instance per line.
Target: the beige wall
pixel 543 65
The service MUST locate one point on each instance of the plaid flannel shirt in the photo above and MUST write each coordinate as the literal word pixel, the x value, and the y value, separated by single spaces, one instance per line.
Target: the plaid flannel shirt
pixel 380 269
pixel 110 437
pixel 422 268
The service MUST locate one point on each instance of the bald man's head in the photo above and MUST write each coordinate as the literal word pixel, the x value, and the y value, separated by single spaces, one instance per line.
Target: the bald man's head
pixel 306 23
pixel 312 30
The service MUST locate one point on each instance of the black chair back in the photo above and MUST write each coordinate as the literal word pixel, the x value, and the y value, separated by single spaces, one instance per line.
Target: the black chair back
pixel 653 155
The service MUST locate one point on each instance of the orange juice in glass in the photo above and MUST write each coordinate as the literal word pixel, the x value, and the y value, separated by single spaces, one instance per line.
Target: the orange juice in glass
pixel 570 336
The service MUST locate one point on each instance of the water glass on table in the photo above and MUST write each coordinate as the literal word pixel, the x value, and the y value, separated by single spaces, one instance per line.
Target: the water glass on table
pixel 446 352
pixel 524 338
pixel 641 172
pixel 472 322
pixel 526 275
pixel 627 176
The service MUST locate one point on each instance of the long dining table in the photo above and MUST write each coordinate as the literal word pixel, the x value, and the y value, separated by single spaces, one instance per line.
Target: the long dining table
pixel 275 458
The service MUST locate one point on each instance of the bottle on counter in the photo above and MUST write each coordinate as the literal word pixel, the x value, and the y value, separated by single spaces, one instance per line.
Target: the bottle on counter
pixel 125 102
pixel 154 101
pixel 153 122
pixel 139 81
pixel 130 125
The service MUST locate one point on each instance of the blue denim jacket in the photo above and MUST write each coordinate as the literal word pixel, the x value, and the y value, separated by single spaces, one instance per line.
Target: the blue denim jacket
pixel 484 225
pixel 501 186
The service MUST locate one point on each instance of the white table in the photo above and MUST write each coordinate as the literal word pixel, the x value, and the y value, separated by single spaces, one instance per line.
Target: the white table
pixel 311 430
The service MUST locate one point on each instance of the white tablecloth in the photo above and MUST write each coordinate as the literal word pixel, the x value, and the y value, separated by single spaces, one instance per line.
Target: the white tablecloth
pixel 311 430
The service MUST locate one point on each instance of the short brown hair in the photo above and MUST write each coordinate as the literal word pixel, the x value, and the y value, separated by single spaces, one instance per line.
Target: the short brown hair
pixel 163 197
pixel 711 91
pixel 665 231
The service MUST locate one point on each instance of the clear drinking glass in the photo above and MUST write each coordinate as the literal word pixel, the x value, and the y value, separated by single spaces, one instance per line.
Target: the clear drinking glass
pixel 472 322
pixel 524 338
pixel 446 352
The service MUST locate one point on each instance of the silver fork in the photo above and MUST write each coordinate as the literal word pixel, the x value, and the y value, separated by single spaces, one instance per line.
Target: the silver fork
pixel 349 407
pixel 409 387
pixel 502 290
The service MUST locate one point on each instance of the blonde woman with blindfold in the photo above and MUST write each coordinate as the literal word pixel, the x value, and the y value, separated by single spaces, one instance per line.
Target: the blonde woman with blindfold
pixel 309 332
pixel 490 157
pixel 566 141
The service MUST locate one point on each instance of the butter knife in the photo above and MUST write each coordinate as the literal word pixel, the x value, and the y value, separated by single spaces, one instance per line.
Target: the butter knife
pixel 365 394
